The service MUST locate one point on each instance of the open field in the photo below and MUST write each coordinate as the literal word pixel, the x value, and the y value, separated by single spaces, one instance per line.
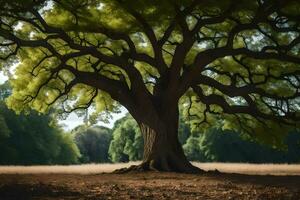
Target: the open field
pixel 87 182
pixel 252 169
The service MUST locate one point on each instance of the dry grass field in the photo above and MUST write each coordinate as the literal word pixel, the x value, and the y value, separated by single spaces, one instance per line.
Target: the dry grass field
pixel 239 181
pixel 240 168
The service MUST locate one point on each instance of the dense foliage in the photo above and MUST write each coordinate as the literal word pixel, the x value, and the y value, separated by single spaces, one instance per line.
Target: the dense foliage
pixel 228 146
pixel 213 145
pixel 127 142
pixel 28 139
pixel 228 62
pixel 224 57
pixel 93 143
pixel 33 138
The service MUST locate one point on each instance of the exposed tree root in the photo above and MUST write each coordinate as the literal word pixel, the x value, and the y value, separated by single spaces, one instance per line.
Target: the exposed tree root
pixel 146 167
pixel 132 168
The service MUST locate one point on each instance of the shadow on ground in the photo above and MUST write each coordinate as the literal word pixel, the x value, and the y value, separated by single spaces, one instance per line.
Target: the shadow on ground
pixel 29 191
pixel 149 186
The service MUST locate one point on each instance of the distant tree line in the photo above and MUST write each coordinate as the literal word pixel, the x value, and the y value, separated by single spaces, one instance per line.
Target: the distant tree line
pixel 215 145
pixel 32 138
pixel 37 139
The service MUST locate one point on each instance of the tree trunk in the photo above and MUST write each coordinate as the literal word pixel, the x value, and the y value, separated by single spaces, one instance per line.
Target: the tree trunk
pixel 162 149
pixel 164 153
pixel 158 122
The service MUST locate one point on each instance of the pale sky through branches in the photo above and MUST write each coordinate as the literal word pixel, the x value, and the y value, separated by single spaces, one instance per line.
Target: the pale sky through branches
pixel 2 78
pixel 73 120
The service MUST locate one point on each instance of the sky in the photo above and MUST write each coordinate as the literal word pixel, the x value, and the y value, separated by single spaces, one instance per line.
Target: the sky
pixel 2 78
pixel 72 121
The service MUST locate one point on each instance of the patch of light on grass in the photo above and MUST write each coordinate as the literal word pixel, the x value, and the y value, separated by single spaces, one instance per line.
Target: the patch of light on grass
pixel 252 169
pixel 64 169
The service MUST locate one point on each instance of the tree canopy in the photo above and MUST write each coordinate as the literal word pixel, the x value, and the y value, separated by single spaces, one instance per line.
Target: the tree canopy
pixel 237 61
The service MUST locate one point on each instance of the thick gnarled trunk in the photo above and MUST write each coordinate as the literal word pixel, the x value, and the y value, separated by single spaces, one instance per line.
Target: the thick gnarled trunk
pixel 163 153
pixel 158 122
pixel 162 149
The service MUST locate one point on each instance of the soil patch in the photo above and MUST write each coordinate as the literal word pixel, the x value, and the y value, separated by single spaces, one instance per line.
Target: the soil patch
pixel 150 185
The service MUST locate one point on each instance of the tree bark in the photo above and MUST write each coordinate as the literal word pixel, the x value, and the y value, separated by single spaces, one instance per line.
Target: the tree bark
pixel 162 149
pixel 158 120
pixel 163 153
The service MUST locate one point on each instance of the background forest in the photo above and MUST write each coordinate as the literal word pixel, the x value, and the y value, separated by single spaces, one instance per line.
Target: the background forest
pixel 34 138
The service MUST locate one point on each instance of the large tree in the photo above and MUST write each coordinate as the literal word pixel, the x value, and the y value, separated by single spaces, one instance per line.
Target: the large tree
pixel 221 58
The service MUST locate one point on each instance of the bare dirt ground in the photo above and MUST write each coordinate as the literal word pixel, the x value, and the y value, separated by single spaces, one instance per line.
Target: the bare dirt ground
pixel 93 185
